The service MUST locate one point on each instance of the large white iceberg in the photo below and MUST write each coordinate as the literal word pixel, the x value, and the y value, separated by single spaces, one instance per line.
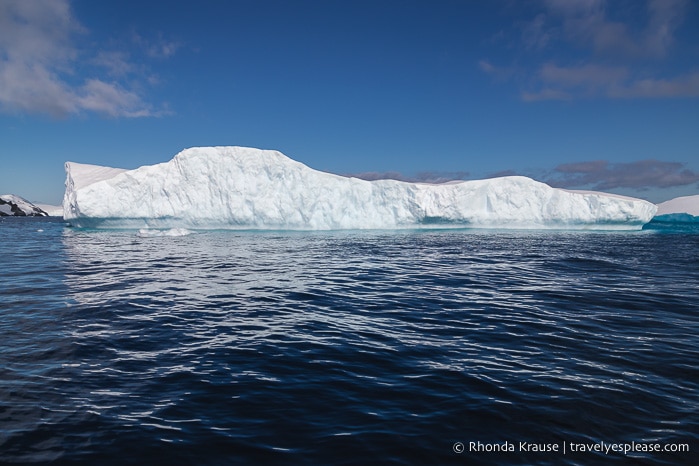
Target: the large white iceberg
pixel 244 188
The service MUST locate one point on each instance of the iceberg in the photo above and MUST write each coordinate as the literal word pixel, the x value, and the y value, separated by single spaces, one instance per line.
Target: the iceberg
pixel 245 188
pixel 679 210
pixel 51 210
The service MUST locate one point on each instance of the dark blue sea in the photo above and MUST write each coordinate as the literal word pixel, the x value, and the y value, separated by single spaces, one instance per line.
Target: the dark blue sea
pixel 339 348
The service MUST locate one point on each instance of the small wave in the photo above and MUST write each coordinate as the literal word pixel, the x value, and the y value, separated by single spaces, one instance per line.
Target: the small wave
pixel 147 233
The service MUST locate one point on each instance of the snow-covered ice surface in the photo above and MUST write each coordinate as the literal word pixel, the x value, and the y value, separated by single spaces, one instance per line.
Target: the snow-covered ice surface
pixel 679 209
pixel 51 210
pixel 244 188
pixel 11 205
pixel 680 205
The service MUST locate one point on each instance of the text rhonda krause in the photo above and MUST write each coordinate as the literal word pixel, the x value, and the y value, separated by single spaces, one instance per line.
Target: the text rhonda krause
pixel 577 447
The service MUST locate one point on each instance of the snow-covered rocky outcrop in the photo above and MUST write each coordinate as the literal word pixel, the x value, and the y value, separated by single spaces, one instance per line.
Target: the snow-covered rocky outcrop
pixel 11 205
pixel 237 187
pixel 679 209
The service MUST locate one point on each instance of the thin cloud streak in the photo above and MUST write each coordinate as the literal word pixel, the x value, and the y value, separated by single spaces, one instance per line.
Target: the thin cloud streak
pixel 641 175
pixel 588 76
pixel 681 86
pixel 421 177
pixel 563 83
pixel 546 94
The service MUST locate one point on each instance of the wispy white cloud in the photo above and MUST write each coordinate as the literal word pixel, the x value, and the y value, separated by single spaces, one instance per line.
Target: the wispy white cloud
pixel 686 85
pixel 157 47
pixel 33 88
pixel 38 66
pixel 587 23
pixel 535 33
pixel 562 83
pixel 499 72
pixel 39 30
pixel 546 94
pixel 589 76
pixel 665 17
pixel 622 55
pixel 117 63
pixel 112 100
pixel 616 82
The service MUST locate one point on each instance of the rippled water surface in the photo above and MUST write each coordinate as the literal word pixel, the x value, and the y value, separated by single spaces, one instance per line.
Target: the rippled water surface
pixel 345 347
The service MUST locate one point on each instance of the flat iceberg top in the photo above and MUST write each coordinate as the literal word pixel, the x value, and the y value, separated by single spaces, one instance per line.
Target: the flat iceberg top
pixel 244 188
pixel 680 205
pixel 83 174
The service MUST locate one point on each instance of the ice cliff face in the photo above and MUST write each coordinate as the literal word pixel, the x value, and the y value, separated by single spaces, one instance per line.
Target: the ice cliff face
pixel 15 206
pixel 236 187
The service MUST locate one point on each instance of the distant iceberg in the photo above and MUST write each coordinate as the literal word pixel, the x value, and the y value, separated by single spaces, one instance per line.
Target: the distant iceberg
pixel 51 210
pixel 244 188
pixel 679 210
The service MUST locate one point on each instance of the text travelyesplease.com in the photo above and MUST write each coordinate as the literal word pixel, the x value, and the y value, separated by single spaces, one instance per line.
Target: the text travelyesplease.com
pixel 571 447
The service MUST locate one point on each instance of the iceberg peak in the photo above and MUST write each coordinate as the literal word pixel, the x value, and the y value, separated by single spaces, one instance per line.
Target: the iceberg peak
pixel 245 188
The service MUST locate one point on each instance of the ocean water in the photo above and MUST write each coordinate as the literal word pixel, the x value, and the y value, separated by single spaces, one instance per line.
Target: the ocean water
pixel 383 347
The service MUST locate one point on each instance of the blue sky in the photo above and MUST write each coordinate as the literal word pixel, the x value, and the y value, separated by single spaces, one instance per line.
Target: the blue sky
pixel 583 94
